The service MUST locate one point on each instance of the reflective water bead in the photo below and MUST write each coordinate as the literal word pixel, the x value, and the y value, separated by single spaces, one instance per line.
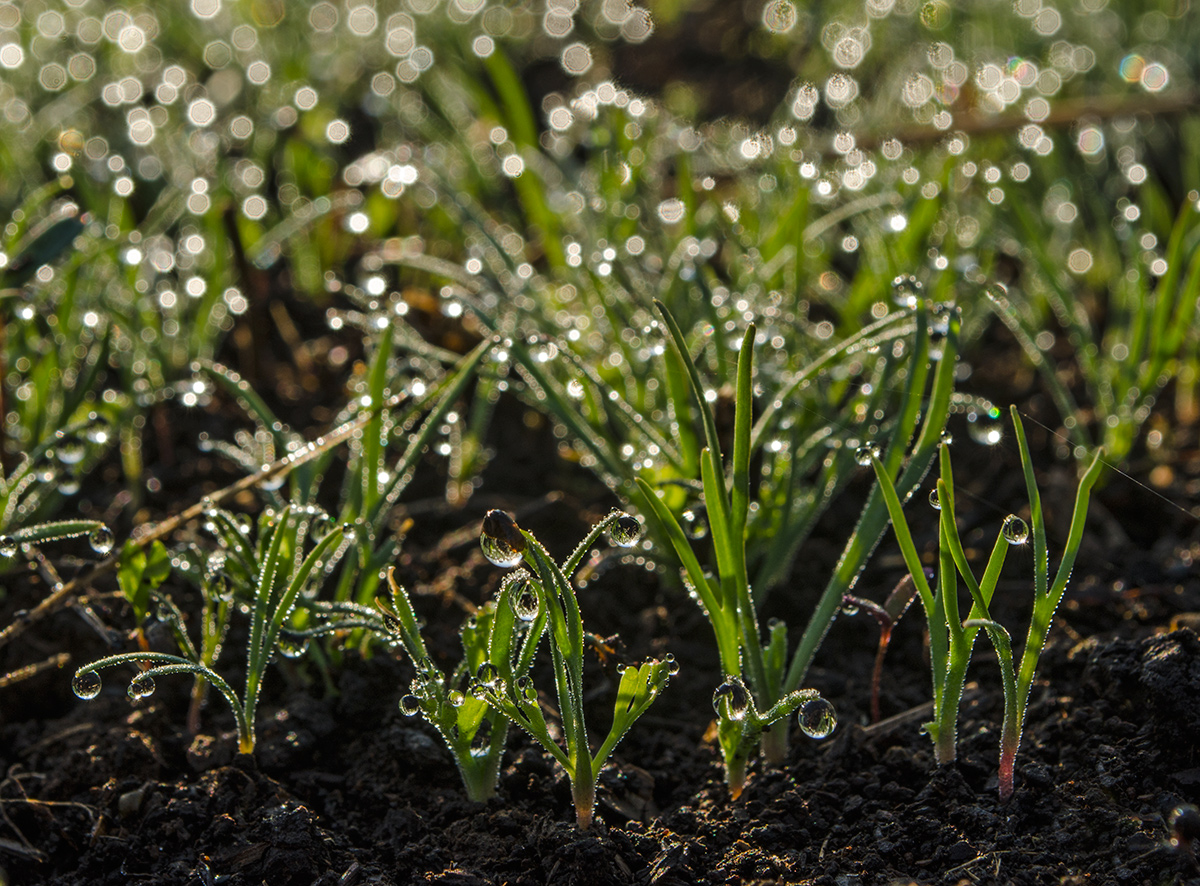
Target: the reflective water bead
pixel 1015 530
pixel 817 718
pixel 735 697
pixel 672 664
pixel 350 532
pixel 141 686
pixel 697 523
pixel 410 705
pixel 935 500
pixel 455 698
pixel 625 531
pixel 292 647
pixel 501 539
pixel 101 539
pixel 863 454
pixel 86 685
pixel 488 674
pixel 525 604
pixel 8 546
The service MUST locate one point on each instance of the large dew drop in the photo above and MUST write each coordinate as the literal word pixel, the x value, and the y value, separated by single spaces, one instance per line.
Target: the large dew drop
pixel 292 647
pixel 141 686
pixel 935 500
pixel 87 685
pixel 1015 530
pixel 488 674
pixel 8 546
pixel 525 603
pixel 865 453
pixel 817 718
pixel 410 705
pixel 697 523
pixel 735 697
pixel 625 531
pixel 501 539
pixel 101 539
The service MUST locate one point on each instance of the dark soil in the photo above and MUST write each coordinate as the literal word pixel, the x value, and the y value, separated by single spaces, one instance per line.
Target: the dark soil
pixel 347 790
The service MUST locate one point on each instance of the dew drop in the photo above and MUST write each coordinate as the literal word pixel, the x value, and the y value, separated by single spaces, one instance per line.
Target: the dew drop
pixel 525 604
pixel 849 608
pixel 1015 530
pixel 735 697
pixel 86 685
pixel 141 686
pixel 501 539
pixel 906 291
pixel 410 705
pixel 8 546
pixel 865 453
pixel 350 532
pixel 575 389
pixel 947 438
pixel 101 539
pixel 935 500
pixel 697 523
pixel 625 531
pixel 672 664
pixel 70 450
pixel 488 674
pixel 526 689
pixel 292 647
pixel 455 698
pixel 817 718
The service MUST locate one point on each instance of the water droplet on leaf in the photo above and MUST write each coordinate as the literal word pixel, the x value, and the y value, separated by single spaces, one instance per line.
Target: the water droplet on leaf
pixel 625 531
pixel 935 500
pixel 86 685
pixel 817 718
pixel 101 539
pixel 865 453
pixel 501 539
pixel 525 604
pixel 1015 530
pixel 736 699
pixel 141 686
pixel 410 705
pixel 672 664
pixel 8 546
pixel 292 647
pixel 455 698
pixel 488 674
pixel 697 523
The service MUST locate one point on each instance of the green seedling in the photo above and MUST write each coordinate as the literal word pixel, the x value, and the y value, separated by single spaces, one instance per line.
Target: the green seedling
pixel 886 616
pixel 546 599
pixel 951 638
pixel 504 632
pixel 759 676
pixel 284 575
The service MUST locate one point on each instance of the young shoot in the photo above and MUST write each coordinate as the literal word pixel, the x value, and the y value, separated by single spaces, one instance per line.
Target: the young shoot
pixel 501 639
pixel 760 674
pixel 547 590
pixel 951 637
pixel 886 616
pixel 283 576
